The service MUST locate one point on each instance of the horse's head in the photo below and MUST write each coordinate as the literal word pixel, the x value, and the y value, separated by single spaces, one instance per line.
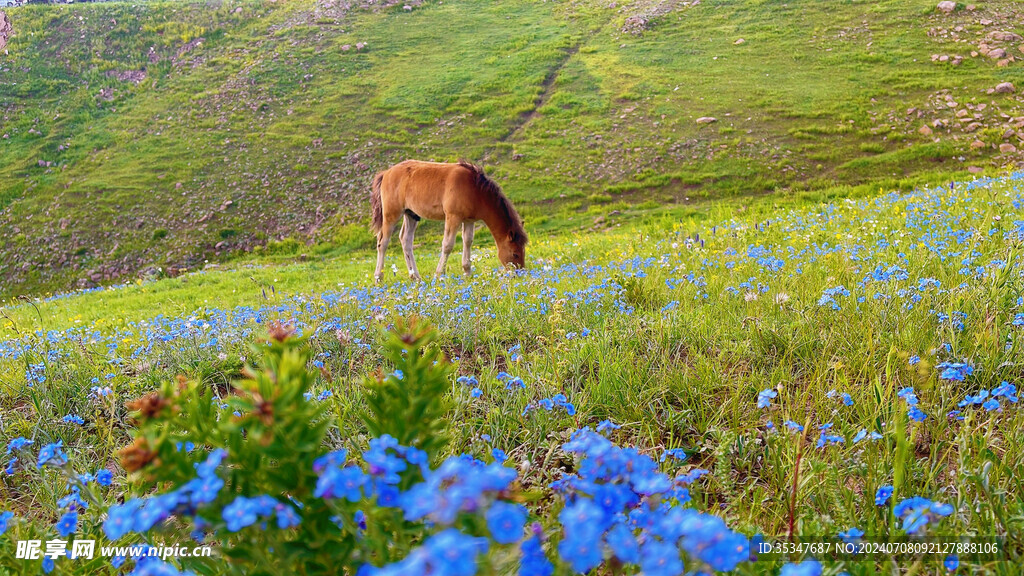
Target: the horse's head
pixel 512 249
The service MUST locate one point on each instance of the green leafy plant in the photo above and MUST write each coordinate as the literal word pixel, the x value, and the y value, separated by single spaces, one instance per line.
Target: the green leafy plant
pixel 409 404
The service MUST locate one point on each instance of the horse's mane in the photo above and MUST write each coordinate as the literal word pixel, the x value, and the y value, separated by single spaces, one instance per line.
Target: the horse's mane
pixel 491 188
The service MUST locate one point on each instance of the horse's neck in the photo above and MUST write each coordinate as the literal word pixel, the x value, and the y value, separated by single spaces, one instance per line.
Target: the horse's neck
pixel 495 219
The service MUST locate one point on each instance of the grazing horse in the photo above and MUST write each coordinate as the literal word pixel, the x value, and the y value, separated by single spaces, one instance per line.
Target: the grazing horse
pixel 458 193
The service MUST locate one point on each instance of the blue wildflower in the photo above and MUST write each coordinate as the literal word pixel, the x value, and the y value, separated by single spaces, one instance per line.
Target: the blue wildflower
pixel 17 444
pixel 882 495
pixel 660 559
pixel 764 397
pixel 809 567
pixel 852 535
pixel 121 519
pixel 240 513
pixel 286 516
pixel 505 522
pixel 917 512
pixel 67 524
pixel 52 455
pixel 623 544
pixel 5 518
pixel 533 561
pixel 341 483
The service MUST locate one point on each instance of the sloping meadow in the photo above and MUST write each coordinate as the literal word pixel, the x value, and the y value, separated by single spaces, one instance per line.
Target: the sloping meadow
pixel 848 369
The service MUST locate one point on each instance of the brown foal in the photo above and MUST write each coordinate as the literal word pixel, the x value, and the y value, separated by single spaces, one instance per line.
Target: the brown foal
pixel 458 193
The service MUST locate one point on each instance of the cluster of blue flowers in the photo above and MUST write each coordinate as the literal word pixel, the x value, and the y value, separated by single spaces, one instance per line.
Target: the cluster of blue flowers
pixel 621 504
pixel 549 404
pixel 917 512
pixel 139 515
pixel 989 400
pixel 958 371
pixel 828 296
pixel 910 397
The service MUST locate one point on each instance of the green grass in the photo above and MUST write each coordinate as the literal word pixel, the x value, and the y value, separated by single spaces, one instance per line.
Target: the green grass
pixel 555 99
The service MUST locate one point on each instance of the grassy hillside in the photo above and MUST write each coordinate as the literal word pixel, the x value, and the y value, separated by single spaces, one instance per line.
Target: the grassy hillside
pixel 142 139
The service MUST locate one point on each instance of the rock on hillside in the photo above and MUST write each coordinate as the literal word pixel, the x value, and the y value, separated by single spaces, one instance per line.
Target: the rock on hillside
pixel 6 29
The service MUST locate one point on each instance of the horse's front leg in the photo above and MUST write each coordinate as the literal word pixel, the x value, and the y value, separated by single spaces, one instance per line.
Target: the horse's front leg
pixel 407 235
pixel 451 226
pixel 467 242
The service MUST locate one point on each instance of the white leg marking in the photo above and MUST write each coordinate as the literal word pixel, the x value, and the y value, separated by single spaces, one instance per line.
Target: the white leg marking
pixel 467 242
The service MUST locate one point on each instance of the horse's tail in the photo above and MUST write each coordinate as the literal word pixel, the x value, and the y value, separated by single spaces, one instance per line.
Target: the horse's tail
pixel 376 209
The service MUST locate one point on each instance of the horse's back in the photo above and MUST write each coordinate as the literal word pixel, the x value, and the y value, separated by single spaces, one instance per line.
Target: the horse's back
pixel 427 188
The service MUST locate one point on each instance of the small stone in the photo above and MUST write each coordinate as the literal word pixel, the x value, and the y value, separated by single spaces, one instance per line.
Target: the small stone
pixel 925 131
pixel 1007 148
pixel 1005 88
pixel 971 8
pixel 974 169
pixel 977 145
pixel 739 41
pixel 1003 63
pixel 1004 36
pixel 706 120
pixel 973 126
pixel 996 53
pixel 946 6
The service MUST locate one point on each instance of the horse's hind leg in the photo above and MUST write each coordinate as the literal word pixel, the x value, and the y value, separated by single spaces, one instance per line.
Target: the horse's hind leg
pixel 383 239
pixel 451 227
pixel 467 241
pixel 406 236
